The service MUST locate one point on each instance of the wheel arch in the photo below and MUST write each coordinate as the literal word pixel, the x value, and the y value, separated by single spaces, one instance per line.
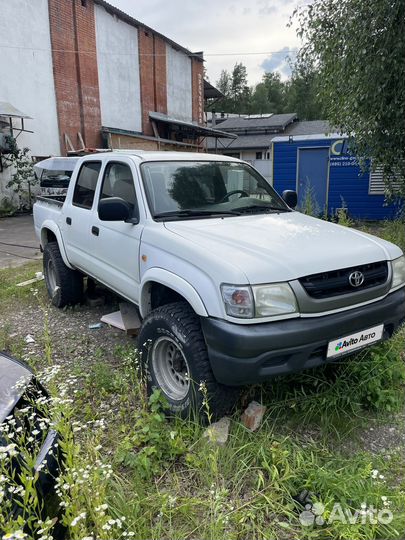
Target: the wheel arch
pixel 181 289
pixel 50 233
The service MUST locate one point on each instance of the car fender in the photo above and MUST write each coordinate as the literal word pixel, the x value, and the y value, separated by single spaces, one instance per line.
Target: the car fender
pixel 53 227
pixel 178 284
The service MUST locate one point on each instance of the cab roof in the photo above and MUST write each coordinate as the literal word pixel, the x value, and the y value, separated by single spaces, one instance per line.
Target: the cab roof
pixel 144 155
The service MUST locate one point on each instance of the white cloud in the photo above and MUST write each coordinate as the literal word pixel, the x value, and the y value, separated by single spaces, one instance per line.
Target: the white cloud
pixel 280 61
pixel 235 28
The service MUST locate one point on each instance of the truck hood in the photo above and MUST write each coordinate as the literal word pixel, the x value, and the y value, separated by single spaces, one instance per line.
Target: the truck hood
pixel 14 378
pixel 282 247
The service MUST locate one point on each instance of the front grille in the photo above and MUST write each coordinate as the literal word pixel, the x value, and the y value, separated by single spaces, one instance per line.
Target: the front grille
pixel 336 282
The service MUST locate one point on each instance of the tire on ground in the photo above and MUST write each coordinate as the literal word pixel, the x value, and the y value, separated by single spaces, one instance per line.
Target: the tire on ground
pixel 68 284
pixel 178 322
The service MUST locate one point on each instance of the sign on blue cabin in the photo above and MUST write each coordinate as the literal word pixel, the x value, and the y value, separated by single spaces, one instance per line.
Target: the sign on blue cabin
pixel 327 177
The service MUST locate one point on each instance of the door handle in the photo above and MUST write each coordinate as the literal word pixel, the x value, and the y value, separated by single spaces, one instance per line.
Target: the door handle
pixel 95 231
pixel 69 220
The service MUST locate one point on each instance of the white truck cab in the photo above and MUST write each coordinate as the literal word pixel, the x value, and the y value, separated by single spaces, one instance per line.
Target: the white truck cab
pixel 233 285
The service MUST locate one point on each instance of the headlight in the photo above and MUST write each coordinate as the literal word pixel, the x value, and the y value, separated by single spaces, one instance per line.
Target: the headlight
pixel 259 301
pixel 398 272
pixel 275 299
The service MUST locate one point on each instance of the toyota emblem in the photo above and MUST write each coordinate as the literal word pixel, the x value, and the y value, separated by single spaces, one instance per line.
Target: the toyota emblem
pixel 356 278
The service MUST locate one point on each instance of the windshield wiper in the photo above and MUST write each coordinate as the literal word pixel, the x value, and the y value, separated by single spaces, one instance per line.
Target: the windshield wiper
pixel 255 207
pixel 196 213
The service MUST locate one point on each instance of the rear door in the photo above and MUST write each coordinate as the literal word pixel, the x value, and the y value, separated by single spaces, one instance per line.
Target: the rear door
pixel 115 245
pixel 312 179
pixel 76 219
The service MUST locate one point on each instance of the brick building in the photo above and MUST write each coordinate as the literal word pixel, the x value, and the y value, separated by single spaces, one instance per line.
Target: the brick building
pixel 89 75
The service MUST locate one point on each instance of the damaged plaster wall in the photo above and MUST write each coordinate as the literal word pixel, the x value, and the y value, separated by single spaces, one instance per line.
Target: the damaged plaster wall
pixel 26 77
pixel 179 85
pixel 118 72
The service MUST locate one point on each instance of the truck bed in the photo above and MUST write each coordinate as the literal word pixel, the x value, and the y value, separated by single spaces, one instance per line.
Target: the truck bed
pixel 54 200
pixel 47 209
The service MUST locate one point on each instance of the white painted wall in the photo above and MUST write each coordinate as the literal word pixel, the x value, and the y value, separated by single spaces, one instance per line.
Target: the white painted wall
pixel 26 77
pixel 26 73
pixel 118 72
pixel 179 85
pixel 265 168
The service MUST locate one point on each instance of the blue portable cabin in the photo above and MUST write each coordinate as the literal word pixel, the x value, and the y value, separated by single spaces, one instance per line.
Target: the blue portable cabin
pixel 320 166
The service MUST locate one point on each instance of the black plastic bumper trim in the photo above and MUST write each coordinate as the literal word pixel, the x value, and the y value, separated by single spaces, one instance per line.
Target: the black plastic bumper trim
pixel 244 354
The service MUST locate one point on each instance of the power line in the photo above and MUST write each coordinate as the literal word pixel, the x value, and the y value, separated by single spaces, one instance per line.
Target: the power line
pixel 18 245
pixel 16 255
pixel 130 53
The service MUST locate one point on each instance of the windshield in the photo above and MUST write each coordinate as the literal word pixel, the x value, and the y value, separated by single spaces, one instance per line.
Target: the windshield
pixel 187 189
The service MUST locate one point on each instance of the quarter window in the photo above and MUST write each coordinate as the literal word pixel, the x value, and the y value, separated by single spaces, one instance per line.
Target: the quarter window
pixel 86 183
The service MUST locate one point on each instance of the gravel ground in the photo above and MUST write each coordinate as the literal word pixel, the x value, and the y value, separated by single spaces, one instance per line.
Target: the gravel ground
pixel 72 340
pixel 76 347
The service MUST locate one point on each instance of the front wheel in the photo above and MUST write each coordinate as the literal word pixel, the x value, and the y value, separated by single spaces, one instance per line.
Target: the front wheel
pixel 175 358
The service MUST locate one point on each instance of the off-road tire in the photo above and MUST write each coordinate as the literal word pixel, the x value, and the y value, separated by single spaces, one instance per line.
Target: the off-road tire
pixel 179 322
pixel 69 283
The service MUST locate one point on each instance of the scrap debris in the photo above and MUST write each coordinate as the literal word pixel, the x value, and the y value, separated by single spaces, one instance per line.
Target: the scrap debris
pixel 39 276
pixel 126 319
pixel 253 415
pixel 218 432
pixel 95 326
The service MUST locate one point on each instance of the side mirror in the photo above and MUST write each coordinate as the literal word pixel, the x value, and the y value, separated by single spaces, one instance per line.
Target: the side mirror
pixel 290 197
pixel 114 209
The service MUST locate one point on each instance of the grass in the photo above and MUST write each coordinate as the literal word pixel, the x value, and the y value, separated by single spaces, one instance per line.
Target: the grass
pixel 131 473
pixel 9 277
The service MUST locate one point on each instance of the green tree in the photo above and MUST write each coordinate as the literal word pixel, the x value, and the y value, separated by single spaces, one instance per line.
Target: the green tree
pixel 240 91
pixel 358 50
pixel 234 86
pixel 301 95
pixel 23 177
pixel 224 84
pixel 259 102
pixel 275 89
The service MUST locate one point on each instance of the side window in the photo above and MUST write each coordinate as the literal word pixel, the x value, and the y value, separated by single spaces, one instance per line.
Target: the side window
pixel 118 182
pixel 86 183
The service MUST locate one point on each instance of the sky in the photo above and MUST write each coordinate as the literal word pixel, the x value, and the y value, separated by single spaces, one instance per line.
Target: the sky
pixel 228 31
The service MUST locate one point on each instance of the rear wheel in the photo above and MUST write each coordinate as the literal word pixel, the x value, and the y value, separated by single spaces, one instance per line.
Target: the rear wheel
pixel 65 286
pixel 175 357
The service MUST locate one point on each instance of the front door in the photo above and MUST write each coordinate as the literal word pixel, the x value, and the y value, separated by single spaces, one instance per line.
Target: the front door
pixel 313 164
pixel 115 244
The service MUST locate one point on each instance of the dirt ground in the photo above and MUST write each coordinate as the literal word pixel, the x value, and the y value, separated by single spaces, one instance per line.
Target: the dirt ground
pixel 78 347
pixel 18 243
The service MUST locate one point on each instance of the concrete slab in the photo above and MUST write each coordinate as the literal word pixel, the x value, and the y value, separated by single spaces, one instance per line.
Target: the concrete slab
pixel 18 243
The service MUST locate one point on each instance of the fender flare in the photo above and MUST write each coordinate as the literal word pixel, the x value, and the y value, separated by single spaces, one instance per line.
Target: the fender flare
pixel 52 226
pixel 172 281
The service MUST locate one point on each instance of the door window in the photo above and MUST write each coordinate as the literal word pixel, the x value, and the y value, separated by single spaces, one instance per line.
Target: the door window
pixel 118 182
pixel 85 187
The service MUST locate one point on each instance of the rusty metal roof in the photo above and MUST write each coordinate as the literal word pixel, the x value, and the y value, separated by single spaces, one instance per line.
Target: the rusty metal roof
pixel 191 126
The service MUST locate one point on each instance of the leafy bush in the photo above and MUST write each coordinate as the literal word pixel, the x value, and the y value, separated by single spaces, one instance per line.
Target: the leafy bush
pixel 152 443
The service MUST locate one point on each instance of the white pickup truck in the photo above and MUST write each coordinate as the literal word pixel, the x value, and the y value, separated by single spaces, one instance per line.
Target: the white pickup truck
pixel 233 286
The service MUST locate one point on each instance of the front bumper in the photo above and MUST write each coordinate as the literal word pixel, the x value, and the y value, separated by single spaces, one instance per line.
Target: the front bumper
pixel 245 354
